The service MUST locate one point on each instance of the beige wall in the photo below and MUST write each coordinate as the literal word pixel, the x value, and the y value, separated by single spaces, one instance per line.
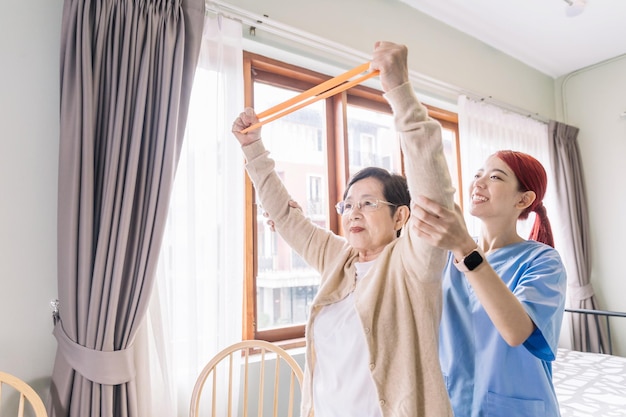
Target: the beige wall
pixel 594 100
pixel 29 42
pixel 29 107
pixel 436 50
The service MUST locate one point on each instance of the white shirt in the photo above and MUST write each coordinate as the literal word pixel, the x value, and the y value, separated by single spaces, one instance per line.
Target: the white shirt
pixel 342 382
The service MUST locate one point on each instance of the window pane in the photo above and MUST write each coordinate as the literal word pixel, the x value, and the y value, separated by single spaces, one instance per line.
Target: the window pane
pixel 449 140
pixel 285 284
pixel 372 140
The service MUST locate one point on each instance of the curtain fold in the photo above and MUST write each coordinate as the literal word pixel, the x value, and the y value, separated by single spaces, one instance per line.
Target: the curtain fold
pixel 196 308
pixel 126 72
pixel 588 333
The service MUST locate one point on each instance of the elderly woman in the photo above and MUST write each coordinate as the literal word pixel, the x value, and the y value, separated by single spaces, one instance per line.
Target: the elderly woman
pixel 372 333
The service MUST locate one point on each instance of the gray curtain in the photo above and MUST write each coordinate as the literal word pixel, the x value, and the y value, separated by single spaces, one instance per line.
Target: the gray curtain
pixel 126 73
pixel 588 333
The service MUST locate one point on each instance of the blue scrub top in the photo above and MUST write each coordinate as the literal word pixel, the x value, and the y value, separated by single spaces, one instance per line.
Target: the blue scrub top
pixel 485 376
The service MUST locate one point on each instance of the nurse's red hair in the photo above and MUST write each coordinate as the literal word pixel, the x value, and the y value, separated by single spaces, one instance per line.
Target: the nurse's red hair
pixel 531 176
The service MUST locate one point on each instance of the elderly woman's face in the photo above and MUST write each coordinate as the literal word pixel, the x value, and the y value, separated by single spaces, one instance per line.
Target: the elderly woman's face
pixel 368 231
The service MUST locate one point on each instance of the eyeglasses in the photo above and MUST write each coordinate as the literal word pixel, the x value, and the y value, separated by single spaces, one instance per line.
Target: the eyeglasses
pixel 345 207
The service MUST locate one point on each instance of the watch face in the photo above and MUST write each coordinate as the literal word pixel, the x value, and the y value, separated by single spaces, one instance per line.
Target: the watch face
pixel 472 260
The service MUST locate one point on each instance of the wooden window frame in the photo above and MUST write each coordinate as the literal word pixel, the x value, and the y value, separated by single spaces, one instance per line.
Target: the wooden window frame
pixel 284 75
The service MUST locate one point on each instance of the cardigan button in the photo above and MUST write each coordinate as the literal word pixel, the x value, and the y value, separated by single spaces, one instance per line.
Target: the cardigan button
pixel 372 366
pixel 382 402
pixel 366 330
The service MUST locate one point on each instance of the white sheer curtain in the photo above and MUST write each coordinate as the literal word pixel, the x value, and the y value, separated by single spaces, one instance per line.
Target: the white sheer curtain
pixel 196 309
pixel 484 129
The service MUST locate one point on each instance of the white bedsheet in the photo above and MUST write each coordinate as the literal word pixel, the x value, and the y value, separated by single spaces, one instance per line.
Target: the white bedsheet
pixel 590 384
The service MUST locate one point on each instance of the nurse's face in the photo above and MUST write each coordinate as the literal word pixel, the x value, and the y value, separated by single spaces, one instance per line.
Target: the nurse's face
pixel 495 191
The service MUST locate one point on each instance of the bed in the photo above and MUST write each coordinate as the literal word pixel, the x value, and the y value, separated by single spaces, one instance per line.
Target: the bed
pixel 590 384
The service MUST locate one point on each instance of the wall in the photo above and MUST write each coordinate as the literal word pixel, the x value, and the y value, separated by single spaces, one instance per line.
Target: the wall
pixel 29 107
pixel 435 49
pixel 594 100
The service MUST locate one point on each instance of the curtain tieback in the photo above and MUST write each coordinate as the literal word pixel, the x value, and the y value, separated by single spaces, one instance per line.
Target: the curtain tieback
pixel 106 368
pixel 580 292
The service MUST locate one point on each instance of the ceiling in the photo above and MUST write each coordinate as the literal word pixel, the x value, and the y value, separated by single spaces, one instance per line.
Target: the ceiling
pixel 538 32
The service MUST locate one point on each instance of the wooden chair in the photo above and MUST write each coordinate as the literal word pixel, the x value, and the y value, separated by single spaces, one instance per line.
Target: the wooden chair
pixel 26 395
pixel 262 365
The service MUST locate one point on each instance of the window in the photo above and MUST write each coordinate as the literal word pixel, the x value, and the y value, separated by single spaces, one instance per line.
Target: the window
pixel 316 150
pixel 314 199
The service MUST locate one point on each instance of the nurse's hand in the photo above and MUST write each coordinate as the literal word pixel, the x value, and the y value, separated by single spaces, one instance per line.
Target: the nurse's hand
pixel 442 227
pixel 270 222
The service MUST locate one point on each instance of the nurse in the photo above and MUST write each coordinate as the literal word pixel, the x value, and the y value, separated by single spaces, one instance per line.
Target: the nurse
pixel 503 296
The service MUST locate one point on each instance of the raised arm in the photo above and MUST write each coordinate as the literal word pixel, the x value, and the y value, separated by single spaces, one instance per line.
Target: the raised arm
pixel 310 241
pixel 425 165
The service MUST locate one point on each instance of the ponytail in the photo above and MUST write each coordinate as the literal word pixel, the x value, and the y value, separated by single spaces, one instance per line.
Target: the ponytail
pixel 542 231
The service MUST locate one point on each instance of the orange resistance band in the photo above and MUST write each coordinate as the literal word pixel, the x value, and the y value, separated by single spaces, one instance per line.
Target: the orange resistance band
pixel 326 89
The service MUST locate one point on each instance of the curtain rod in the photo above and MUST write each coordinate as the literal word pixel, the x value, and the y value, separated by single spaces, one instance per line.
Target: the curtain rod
pixel 318 43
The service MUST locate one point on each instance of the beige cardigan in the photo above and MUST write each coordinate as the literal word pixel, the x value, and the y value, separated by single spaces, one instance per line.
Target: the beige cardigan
pixel 399 300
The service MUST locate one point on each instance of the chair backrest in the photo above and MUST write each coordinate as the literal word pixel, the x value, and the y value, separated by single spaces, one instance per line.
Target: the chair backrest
pixel 26 395
pixel 260 378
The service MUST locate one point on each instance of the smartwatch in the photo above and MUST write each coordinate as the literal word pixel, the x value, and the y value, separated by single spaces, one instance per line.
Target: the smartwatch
pixel 470 262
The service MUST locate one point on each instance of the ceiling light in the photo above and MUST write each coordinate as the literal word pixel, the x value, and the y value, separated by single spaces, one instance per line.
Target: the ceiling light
pixel 575 7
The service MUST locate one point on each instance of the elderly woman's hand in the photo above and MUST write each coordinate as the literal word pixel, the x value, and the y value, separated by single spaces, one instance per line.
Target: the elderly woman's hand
pixel 246 118
pixel 391 60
